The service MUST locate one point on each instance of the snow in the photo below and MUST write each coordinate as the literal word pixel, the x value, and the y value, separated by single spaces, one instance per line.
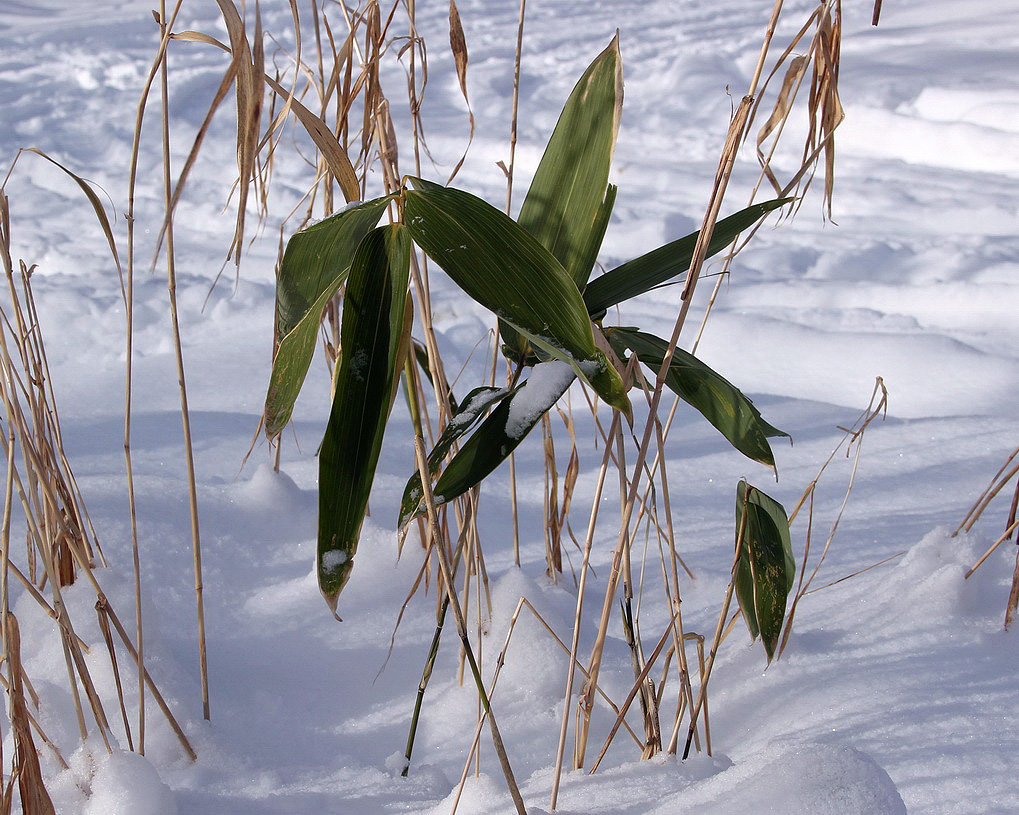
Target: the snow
pixel 547 382
pixel 897 689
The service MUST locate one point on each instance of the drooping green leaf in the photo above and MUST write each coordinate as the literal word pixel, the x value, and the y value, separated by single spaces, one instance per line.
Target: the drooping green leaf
pixel 501 266
pixel 315 265
pixel 292 360
pixel 718 400
pixel 500 434
pixel 316 256
pixel 371 331
pixel 475 405
pixel 659 265
pixel 765 567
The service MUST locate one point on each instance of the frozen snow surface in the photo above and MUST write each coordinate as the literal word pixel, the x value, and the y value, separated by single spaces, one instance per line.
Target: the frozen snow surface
pixel 897 690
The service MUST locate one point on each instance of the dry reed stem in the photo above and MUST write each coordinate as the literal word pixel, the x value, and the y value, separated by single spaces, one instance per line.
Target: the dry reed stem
pixel 989 494
pixel 857 573
pixel 1013 594
pixel 706 671
pixel 1001 539
pixel 107 609
pixel 1014 509
pixel 853 439
pixel 638 686
pixel 574 646
pixel 517 60
pixel 128 294
pixel 104 627
pixel 522 603
pixel 675 598
pixel 249 108
pixel 461 625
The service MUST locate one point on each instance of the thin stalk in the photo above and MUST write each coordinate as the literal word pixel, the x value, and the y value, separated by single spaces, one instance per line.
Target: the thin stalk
pixel 171 285
pixel 128 295
pixel 516 104
pixel 989 495
pixel 1014 509
pixel 706 674
pixel 104 627
pixel 584 569
pixel 107 609
pixel 1004 536
pixel 426 675
pixel 638 687
pixel 461 625
pixel 509 206
pixel 1013 594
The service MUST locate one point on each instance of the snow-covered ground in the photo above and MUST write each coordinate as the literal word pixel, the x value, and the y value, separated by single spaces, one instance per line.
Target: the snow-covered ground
pixel 897 689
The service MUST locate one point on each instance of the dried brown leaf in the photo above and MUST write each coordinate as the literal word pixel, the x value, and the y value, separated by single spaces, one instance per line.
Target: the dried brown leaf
pixel 458 45
pixel 34 797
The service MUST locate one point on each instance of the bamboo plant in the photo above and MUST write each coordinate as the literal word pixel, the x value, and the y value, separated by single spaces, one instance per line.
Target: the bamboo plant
pixel 534 275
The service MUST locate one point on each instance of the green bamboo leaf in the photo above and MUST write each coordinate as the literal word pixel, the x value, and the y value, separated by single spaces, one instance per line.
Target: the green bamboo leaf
pixel 316 256
pixel 315 265
pixel 501 266
pixel 566 199
pixel 765 567
pixel 292 360
pixel 499 435
pixel 515 346
pixel 372 335
pixel 659 265
pixel 475 405
pixel 717 399
pixel 568 204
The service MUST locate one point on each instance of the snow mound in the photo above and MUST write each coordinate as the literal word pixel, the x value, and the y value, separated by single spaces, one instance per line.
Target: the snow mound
pixel 819 779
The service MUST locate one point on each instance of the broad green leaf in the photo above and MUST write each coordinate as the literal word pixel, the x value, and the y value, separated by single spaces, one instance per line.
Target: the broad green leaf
pixel 565 201
pixel 568 202
pixel 292 360
pixel 316 256
pixel 502 267
pixel 659 265
pixel 475 405
pixel 501 433
pixel 718 400
pixel 371 332
pixel 515 346
pixel 315 264
pixel 765 568
pixel 601 223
